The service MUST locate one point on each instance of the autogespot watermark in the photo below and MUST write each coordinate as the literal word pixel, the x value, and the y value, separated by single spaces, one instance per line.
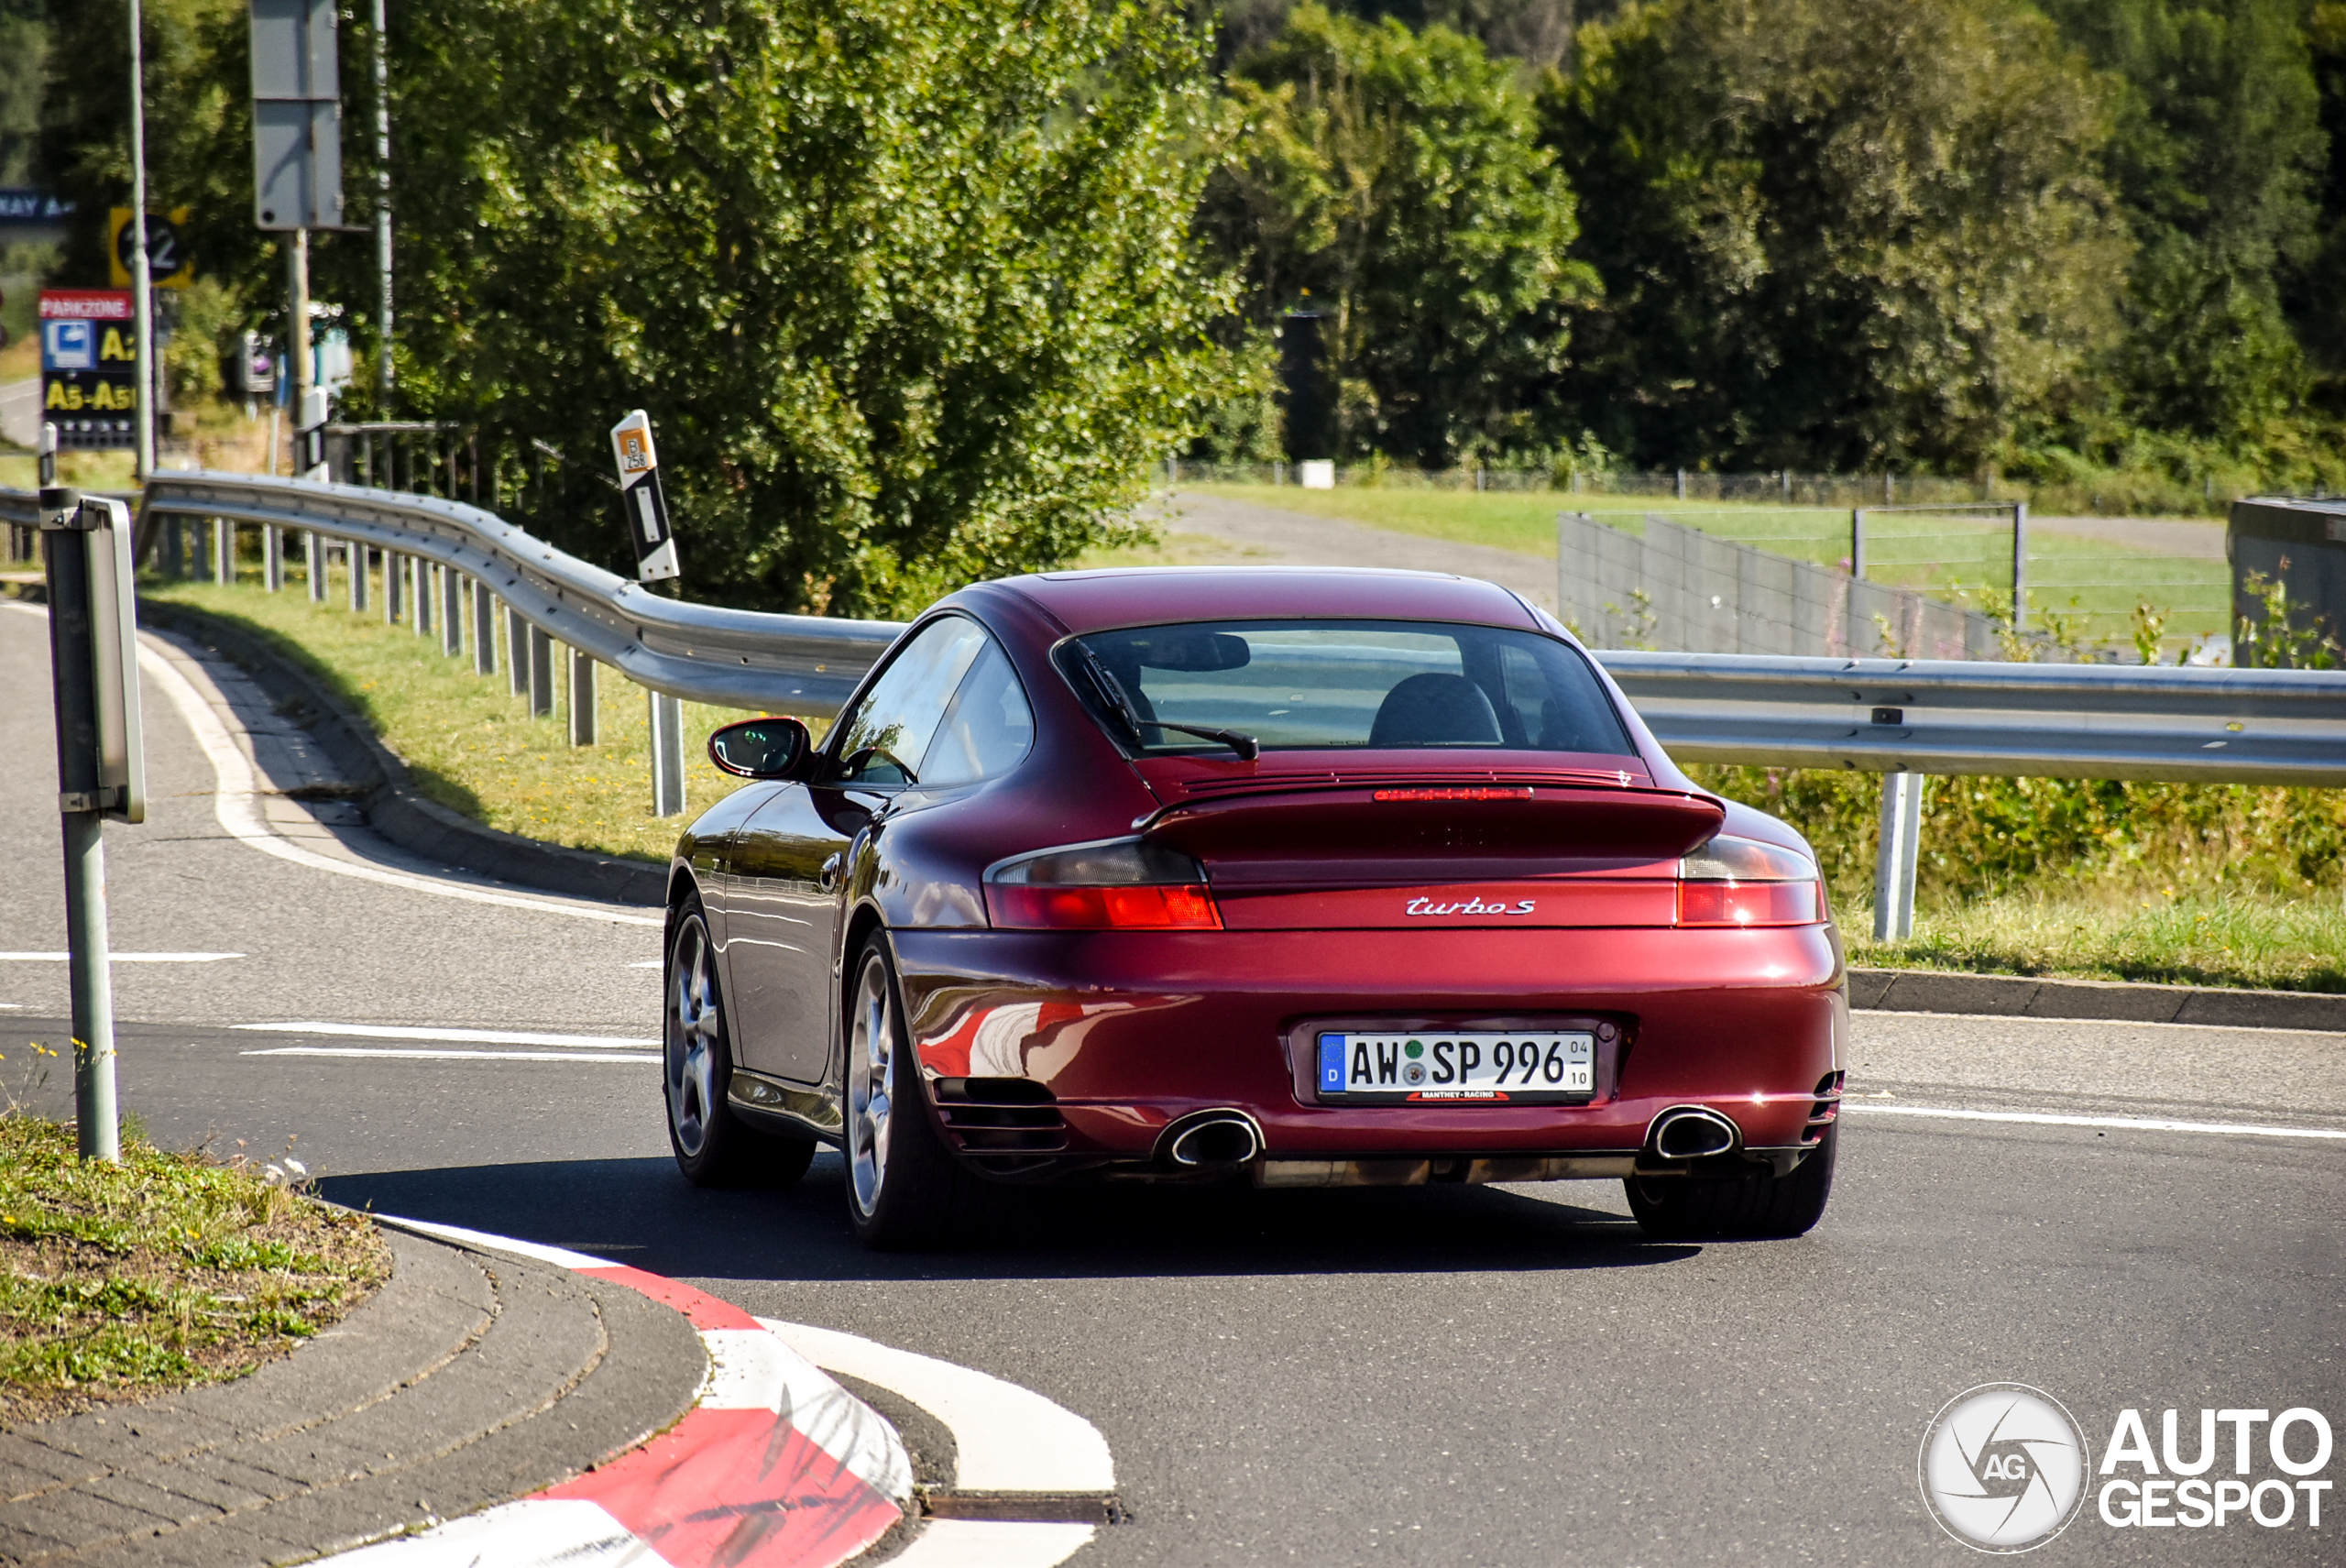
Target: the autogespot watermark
pixel 2005 1468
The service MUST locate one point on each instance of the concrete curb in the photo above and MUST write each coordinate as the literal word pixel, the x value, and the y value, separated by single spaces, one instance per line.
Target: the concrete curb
pixel 2016 996
pixel 774 1466
pixel 394 807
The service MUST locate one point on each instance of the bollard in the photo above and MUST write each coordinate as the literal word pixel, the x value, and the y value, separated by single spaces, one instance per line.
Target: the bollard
pixel 452 615
pixel 1893 865
pixel 667 755
pixel 581 697
pixel 541 674
pixel 272 558
pixel 517 652
pixel 484 630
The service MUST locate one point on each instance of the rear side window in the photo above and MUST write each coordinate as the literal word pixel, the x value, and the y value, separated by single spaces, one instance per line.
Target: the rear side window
pixel 1321 685
pixel 947 710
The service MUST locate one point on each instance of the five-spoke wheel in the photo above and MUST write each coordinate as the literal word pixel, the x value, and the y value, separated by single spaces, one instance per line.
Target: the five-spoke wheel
pixel 713 1147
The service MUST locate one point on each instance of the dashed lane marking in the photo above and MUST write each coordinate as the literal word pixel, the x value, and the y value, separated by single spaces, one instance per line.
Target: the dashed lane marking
pixel 2130 1124
pixel 411 1053
pixel 446 1037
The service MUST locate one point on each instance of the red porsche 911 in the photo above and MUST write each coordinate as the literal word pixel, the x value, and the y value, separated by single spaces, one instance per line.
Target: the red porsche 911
pixel 1301 878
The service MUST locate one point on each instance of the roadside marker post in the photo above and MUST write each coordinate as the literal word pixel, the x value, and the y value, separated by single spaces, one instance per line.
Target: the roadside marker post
pixel 642 503
pixel 101 766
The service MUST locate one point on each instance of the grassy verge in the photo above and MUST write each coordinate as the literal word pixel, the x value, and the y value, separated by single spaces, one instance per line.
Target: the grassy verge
pixel 2095 583
pixel 119 1281
pixel 470 743
pixel 2261 941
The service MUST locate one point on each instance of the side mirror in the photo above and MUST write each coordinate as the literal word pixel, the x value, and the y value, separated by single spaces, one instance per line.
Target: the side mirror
pixel 772 748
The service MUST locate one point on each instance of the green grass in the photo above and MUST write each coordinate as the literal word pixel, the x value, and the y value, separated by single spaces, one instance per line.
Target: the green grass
pixel 2163 937
pixel 117 1281
pixel 471 744
pixel 2093 583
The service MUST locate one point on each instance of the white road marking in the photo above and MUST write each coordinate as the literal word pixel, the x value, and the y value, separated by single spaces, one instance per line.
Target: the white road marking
pixel 446 1037
pixel 991 1543
pixel 1010 1439
pixel 122 957
pixel 2130 1123
pixel 561 1257
pixel 536 1532
pixel 236 805
pixel 412 1053
pixel 645 963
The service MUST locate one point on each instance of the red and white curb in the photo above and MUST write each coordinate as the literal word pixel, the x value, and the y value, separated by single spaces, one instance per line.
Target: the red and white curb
pixel 776 1465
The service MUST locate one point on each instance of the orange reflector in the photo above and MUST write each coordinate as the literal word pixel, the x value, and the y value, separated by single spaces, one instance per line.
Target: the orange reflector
pixel 1014 907
pixel 1473 792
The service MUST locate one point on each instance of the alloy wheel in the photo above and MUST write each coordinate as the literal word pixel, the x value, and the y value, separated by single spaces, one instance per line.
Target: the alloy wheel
pixel 871 1044
pixel 695 1021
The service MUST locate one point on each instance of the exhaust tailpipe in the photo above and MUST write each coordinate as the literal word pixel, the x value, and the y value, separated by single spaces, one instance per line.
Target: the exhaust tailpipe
pixel 1206 1138
pixel 1693 1132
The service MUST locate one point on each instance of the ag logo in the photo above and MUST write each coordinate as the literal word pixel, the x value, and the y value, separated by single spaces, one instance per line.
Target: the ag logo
pixel 2004 1467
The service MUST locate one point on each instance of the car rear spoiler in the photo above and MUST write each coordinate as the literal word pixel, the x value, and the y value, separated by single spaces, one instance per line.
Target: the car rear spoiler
pixel 1435 822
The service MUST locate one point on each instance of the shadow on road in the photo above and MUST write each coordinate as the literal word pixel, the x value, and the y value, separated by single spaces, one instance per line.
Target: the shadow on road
pixel 639 1211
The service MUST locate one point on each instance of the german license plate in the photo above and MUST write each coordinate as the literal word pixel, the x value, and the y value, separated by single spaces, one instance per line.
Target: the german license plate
pixel 1432 1066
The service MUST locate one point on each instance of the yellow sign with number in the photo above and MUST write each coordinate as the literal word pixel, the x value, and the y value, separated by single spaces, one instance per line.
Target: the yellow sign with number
pixel 169 265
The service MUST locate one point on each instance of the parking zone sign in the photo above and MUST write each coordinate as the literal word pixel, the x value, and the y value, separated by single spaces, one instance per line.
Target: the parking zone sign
pixel 641 501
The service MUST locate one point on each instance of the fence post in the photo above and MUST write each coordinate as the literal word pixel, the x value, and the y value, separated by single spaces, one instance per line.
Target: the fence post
pixel 541 674
pixel 1856 541
pixel 356 553
pixel 484 630
pixel 2019 564
pixel 1893 865
pixel 667 755
pixel 517 652
pixel 581 697
pixel 452 614
pixel 1682 484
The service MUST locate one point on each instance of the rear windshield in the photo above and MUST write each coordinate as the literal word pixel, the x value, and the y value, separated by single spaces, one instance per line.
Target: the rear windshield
pixel 1320 683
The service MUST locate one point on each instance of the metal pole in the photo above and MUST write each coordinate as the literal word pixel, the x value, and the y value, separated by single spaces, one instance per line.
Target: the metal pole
pixel 356 553
pixel 452 614
pixel 383 371
pixel 391 575
pixel 1895 859
pixel 272 558
pixel 541 674
pixel 1856 541
pixel 581 697
pixel 297 261
pixel 419 595
pixel 517 652
pixel 484 630
pixel 667 755
pixel 224 551
pixel 2020 565
pixel 315 560
pixel 73 661
pixel 142 286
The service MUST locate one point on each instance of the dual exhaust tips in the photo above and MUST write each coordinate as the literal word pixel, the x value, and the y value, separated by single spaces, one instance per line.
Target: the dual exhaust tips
pixel 1205 1140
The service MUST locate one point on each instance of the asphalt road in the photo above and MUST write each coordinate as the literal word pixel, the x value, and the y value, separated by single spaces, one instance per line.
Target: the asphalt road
pixel 1441 1376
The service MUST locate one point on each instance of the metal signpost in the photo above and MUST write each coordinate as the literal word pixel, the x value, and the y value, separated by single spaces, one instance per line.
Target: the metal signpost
pixel 101 765
pixel 297 146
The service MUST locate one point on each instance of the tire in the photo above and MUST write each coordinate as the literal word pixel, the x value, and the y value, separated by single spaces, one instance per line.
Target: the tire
pixel 713 1147
pixel 904 1189
pixel 1761 1205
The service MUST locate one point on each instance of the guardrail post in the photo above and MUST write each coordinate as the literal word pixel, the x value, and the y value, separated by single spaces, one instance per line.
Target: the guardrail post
pixel 1893 865
pixel 314 558
pixel 393 573
pixel 484 630
pixel 667 755
pixel 517 652
pixel 175 547
pixel 541 674
pixel 581 697
pixel 272 558
pixel 2019 564
pixel 223 551
pixel 452 614
pixel 356 553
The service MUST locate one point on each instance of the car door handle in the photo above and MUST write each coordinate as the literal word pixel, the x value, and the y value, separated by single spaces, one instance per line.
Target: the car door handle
pixel 827 879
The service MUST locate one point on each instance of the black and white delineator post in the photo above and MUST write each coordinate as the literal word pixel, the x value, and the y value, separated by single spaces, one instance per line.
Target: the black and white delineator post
pixel 101 765
pixel 310 436
pixel 641 501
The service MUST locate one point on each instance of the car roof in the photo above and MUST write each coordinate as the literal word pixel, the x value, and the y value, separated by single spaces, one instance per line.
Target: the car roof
pixel 1112 597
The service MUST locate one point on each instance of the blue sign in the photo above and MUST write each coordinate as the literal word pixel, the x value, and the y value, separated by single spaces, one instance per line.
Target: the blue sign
pixel 69 345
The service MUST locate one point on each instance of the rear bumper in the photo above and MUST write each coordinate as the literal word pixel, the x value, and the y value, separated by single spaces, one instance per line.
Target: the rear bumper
pixel 1128 1031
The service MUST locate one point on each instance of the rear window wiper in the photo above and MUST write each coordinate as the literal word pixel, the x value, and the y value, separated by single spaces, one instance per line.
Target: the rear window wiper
pixel 1111 692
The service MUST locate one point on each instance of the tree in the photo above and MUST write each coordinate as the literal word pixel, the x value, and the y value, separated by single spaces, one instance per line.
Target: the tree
pixel 1393 180
pixel 1834 233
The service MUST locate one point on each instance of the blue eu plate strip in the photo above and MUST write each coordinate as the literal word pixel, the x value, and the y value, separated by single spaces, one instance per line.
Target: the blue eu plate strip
pixel 1331 1062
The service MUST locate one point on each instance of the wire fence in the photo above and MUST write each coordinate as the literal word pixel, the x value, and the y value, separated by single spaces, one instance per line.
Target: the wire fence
pixel 1778 488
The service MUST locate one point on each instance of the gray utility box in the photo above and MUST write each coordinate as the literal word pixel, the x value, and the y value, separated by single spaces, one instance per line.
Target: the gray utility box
pixel 2298 543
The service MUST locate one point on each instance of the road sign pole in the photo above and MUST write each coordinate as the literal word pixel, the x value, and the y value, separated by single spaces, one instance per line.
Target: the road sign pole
pixel 383 369
pixel 72 660
pixel 142 286
pixel 297 287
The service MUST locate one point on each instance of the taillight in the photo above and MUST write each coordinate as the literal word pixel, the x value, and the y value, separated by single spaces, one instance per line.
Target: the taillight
pixel 1744 882
pixel 1125 885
